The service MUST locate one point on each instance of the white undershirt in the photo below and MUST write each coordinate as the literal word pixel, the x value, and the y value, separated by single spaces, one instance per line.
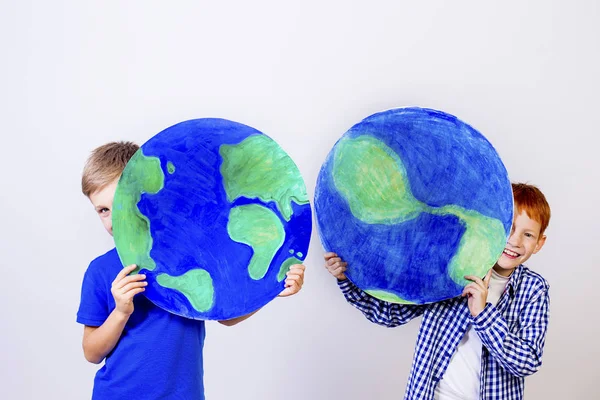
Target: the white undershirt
pixel 461 379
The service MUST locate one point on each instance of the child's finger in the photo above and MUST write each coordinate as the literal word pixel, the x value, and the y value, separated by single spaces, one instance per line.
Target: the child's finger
pixel 477 280
pixel 331 267
pixel 290 289
pixel 125 271
pixel 474 286
pixel 293 277
pixel 340 270
pixel 297 270
pixel 133 292
pixel 334 260
pixel 339 265
pixel 487 278
pixel 328 255
pixel 291 282
pixel 469 290
pixel 129 279
pixel 133 285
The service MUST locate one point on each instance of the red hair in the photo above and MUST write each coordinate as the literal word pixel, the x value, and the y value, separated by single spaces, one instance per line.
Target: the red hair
pixel 530 199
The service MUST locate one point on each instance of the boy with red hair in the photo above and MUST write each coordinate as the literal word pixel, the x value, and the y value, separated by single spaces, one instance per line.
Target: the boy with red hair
pixel 480 345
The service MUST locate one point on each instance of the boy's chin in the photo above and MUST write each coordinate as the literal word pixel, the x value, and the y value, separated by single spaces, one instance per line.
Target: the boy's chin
pixel 505 267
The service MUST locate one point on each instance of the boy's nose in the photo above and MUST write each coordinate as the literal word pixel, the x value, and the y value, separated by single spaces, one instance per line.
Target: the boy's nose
pixel 514 240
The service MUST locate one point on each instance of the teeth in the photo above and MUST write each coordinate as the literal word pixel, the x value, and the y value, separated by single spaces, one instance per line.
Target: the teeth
pixel 511 253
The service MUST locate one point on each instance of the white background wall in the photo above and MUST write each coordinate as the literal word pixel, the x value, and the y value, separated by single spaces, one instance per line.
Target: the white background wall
pixel 76 74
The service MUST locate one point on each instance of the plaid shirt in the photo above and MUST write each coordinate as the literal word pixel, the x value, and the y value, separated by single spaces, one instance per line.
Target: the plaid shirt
pixel 513 334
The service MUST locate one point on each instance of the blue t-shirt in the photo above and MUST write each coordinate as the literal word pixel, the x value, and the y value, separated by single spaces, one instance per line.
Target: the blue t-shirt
pixel 159 355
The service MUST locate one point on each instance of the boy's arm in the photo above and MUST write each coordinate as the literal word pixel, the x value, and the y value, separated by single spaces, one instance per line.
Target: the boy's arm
pixel 518 353
pixel 233 321
pixel 293 283
pixel 377 311
pixel 98 341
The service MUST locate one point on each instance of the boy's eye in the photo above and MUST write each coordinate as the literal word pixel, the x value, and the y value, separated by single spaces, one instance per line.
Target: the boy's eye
pixel 103 210
pixel 529 235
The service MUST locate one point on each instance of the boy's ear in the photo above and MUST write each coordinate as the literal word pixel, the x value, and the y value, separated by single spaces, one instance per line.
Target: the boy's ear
pixel 540 244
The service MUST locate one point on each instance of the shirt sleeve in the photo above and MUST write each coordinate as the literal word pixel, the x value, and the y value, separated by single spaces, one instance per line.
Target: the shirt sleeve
pixel 378 311
pixel 518 353
pixel 93 306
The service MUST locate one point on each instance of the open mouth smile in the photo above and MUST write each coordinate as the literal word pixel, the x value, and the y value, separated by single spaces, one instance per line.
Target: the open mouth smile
pixel 510 254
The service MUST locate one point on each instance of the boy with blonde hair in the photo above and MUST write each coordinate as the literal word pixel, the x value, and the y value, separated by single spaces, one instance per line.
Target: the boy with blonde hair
pixel 148 352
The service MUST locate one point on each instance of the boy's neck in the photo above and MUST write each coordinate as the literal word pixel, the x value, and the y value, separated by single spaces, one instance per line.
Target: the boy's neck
pixel 504 272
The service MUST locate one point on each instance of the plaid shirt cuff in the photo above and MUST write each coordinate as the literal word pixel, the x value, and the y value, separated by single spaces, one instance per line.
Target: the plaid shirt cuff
pixel 346 286
pixel 486 318
pixel 491 328
pixel 351 292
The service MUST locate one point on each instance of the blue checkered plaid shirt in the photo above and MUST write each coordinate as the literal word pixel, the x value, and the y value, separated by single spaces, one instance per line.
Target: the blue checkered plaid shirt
pixel 513 334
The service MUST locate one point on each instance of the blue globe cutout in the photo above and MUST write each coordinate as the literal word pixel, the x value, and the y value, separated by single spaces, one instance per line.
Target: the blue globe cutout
pixel 414 199
pixel 214 213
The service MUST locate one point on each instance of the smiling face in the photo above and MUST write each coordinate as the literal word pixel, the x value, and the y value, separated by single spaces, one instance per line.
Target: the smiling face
pixel 102 200
pixel 525 240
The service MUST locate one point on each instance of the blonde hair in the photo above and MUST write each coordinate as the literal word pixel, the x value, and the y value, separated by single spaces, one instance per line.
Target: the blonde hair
pixel 105 164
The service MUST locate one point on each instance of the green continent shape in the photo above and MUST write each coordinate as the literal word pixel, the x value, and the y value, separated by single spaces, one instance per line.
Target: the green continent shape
pixel 372 179
pixel 285 267
pixel 387 296
pixel 132 228
pixel 170 167
pixel 258 168
pixel 259 228
pixel 480 246
pixel 196 285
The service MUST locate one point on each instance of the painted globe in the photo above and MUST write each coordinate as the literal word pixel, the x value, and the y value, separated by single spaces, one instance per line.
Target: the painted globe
pixel 414 199
pixel 214 213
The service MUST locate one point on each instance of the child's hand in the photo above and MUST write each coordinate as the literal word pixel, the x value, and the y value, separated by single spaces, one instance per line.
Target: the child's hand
pixel 294 280
pixel 335 265
pixel 124 287
pixel 477 292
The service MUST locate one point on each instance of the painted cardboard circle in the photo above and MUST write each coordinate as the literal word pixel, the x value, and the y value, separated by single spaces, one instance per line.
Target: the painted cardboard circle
pixel 414 199
pixel 214 213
